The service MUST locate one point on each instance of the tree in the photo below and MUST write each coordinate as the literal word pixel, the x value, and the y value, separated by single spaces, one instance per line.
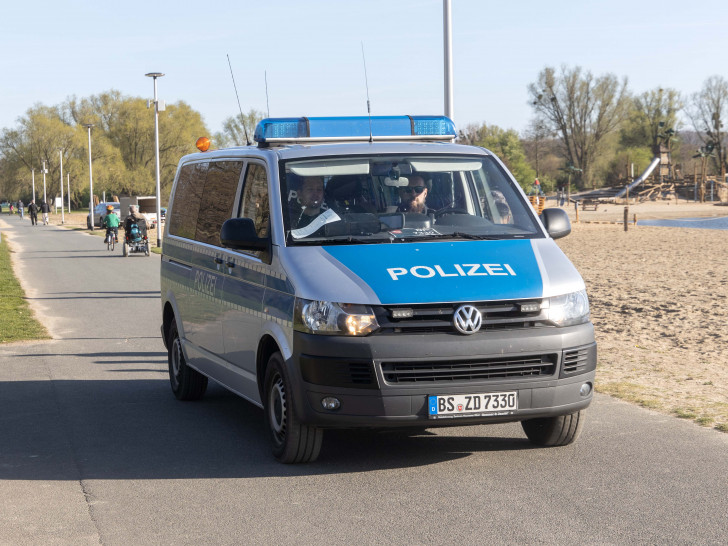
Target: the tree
pixel 709 107
pixel 234 129
pixel 123 151
pixel 503 143
pixel 651 114
pixel 581 109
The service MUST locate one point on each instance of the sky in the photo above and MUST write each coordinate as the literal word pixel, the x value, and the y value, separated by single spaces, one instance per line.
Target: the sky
pixel 310 53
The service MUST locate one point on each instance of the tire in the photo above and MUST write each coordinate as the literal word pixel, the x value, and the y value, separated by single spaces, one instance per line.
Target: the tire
pixel 186 383
pixel 124 250
pixel 554 431
pixel 112 242
pixel 292 441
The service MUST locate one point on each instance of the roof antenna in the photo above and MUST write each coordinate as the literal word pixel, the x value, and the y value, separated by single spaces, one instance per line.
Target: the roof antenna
pixel 267 105
pixel 242 118
pixel 366 81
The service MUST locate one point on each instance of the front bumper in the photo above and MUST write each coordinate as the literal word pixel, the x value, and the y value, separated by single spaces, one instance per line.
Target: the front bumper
pixel 385 380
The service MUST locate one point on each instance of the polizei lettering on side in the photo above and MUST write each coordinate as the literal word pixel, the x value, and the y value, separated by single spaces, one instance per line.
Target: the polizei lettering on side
pixel 455 270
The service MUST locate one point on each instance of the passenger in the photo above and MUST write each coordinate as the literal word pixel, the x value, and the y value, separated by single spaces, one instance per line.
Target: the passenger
pixel 412 197
pixel 111 223
pixel 135 218
pixel 505 216
pixel 311 199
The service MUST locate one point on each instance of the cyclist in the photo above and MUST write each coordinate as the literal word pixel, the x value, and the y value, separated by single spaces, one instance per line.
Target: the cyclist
pixel 111 223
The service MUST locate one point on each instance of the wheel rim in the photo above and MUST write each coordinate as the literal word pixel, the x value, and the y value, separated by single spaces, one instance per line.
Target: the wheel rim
pixel 277 414
pixel 176 361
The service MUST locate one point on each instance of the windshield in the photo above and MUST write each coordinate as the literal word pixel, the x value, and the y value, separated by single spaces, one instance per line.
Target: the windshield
pixel 372 199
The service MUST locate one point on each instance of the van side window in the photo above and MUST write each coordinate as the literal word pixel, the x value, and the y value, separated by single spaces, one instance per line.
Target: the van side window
pixel 255 202
pixel 255 198
pixel 218 199
pixel 187 197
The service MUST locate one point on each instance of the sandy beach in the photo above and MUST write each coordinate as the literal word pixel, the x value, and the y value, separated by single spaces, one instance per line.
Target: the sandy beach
pixel 659 304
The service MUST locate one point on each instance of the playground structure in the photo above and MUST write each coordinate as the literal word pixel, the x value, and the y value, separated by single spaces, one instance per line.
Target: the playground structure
pixel 663 183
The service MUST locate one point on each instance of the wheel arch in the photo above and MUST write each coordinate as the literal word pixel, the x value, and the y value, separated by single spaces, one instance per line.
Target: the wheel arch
pixel 266 347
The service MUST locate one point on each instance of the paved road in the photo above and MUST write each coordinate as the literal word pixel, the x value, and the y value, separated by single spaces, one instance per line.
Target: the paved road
pixel 94 449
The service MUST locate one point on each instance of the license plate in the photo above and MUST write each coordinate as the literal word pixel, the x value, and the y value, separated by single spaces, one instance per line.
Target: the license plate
pixel 472 405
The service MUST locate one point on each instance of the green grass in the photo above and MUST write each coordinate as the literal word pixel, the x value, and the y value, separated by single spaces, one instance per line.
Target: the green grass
pixel 16 319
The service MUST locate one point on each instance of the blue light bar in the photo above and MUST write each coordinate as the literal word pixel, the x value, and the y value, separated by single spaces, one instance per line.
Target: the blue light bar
pixel 355 128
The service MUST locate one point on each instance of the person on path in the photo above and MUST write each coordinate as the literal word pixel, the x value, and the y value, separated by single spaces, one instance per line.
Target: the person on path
pixel 45 209
pixel 33 210
pixel 20 208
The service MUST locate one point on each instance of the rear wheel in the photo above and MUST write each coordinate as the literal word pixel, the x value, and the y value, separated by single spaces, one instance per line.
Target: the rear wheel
pixel 554 431
pixel 292 441
pixel 124 249
pixel 187 383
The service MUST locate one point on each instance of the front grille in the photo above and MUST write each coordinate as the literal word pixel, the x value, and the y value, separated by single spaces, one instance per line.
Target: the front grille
pixel 431 318
pixel 469 370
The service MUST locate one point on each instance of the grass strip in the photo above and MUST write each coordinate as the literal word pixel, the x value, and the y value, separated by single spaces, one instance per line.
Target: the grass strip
pixel 17 322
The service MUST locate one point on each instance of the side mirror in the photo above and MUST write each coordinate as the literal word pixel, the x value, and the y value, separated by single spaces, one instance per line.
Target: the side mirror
pixel 240 234
pixel 556 222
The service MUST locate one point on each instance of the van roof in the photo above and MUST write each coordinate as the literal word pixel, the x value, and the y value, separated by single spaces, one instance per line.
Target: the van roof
pixel 291 151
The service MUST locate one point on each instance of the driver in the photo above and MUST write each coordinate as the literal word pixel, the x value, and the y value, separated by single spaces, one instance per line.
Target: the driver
pixel 135 218
pixel 311 197
pixel 412 197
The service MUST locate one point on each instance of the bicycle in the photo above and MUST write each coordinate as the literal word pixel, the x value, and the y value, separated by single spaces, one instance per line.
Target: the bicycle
pixel 110 240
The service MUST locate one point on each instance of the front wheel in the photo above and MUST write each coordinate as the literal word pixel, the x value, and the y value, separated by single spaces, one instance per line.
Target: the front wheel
pixel 554 431
pixel 187 383
pixel 292 441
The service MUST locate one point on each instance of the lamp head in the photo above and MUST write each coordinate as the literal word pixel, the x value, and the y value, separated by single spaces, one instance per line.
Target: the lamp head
pixel 154 75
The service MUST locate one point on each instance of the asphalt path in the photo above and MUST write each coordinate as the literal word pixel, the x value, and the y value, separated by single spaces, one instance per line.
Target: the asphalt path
pixel 94 449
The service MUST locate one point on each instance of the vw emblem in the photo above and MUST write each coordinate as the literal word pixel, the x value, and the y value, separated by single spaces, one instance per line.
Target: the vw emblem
pixel 467 319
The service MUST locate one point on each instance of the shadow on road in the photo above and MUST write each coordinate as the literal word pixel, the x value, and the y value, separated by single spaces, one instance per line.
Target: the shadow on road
pixel 136 429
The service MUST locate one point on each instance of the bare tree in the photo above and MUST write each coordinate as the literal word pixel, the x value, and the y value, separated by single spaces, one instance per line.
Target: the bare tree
pixel 582 109
pixel 709 107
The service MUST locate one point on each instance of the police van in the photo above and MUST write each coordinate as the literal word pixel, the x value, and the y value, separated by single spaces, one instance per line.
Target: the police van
pixel 368 272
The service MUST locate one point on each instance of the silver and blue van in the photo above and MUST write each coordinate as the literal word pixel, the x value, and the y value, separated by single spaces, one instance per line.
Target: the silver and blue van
pixel 368 272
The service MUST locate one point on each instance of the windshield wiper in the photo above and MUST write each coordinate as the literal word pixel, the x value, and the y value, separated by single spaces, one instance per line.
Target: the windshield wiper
pixel 454 235
pixel 350 240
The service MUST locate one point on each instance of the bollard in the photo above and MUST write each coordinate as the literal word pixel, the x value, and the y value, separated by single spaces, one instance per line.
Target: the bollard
pixel 626 218
pixel 635 220
pixel 576 210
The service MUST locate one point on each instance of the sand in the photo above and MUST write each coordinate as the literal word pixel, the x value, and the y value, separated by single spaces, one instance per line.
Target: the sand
pixel 659 304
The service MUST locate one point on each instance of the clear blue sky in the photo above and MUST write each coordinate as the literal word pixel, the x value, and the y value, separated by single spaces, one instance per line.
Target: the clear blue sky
pixel 311 50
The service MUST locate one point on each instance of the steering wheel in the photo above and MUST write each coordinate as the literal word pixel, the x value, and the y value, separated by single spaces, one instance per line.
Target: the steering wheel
pixel 442 212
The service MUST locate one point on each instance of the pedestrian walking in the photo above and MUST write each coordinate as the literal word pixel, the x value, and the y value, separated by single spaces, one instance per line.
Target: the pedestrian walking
pixel 45 209
pixel 33 211
pixel 20 208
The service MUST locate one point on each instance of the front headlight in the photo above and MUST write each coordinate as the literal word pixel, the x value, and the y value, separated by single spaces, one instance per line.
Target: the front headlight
pixel 329 318
pixel 568 309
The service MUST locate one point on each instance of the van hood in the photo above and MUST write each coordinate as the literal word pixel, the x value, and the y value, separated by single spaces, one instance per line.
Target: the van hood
pixel 431 272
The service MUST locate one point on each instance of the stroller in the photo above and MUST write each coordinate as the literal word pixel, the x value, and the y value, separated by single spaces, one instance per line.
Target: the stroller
pixel 135 239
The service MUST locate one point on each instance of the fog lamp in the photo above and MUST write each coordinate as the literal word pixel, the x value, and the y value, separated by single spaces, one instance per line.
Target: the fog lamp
pixel 585 389
pixel 330 403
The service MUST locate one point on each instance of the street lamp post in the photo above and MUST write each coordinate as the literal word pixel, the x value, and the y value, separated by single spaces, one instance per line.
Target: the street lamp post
pixel 33 175
pixel 45 198
pixel 60 154
pixel 154 76
pixel 90 179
